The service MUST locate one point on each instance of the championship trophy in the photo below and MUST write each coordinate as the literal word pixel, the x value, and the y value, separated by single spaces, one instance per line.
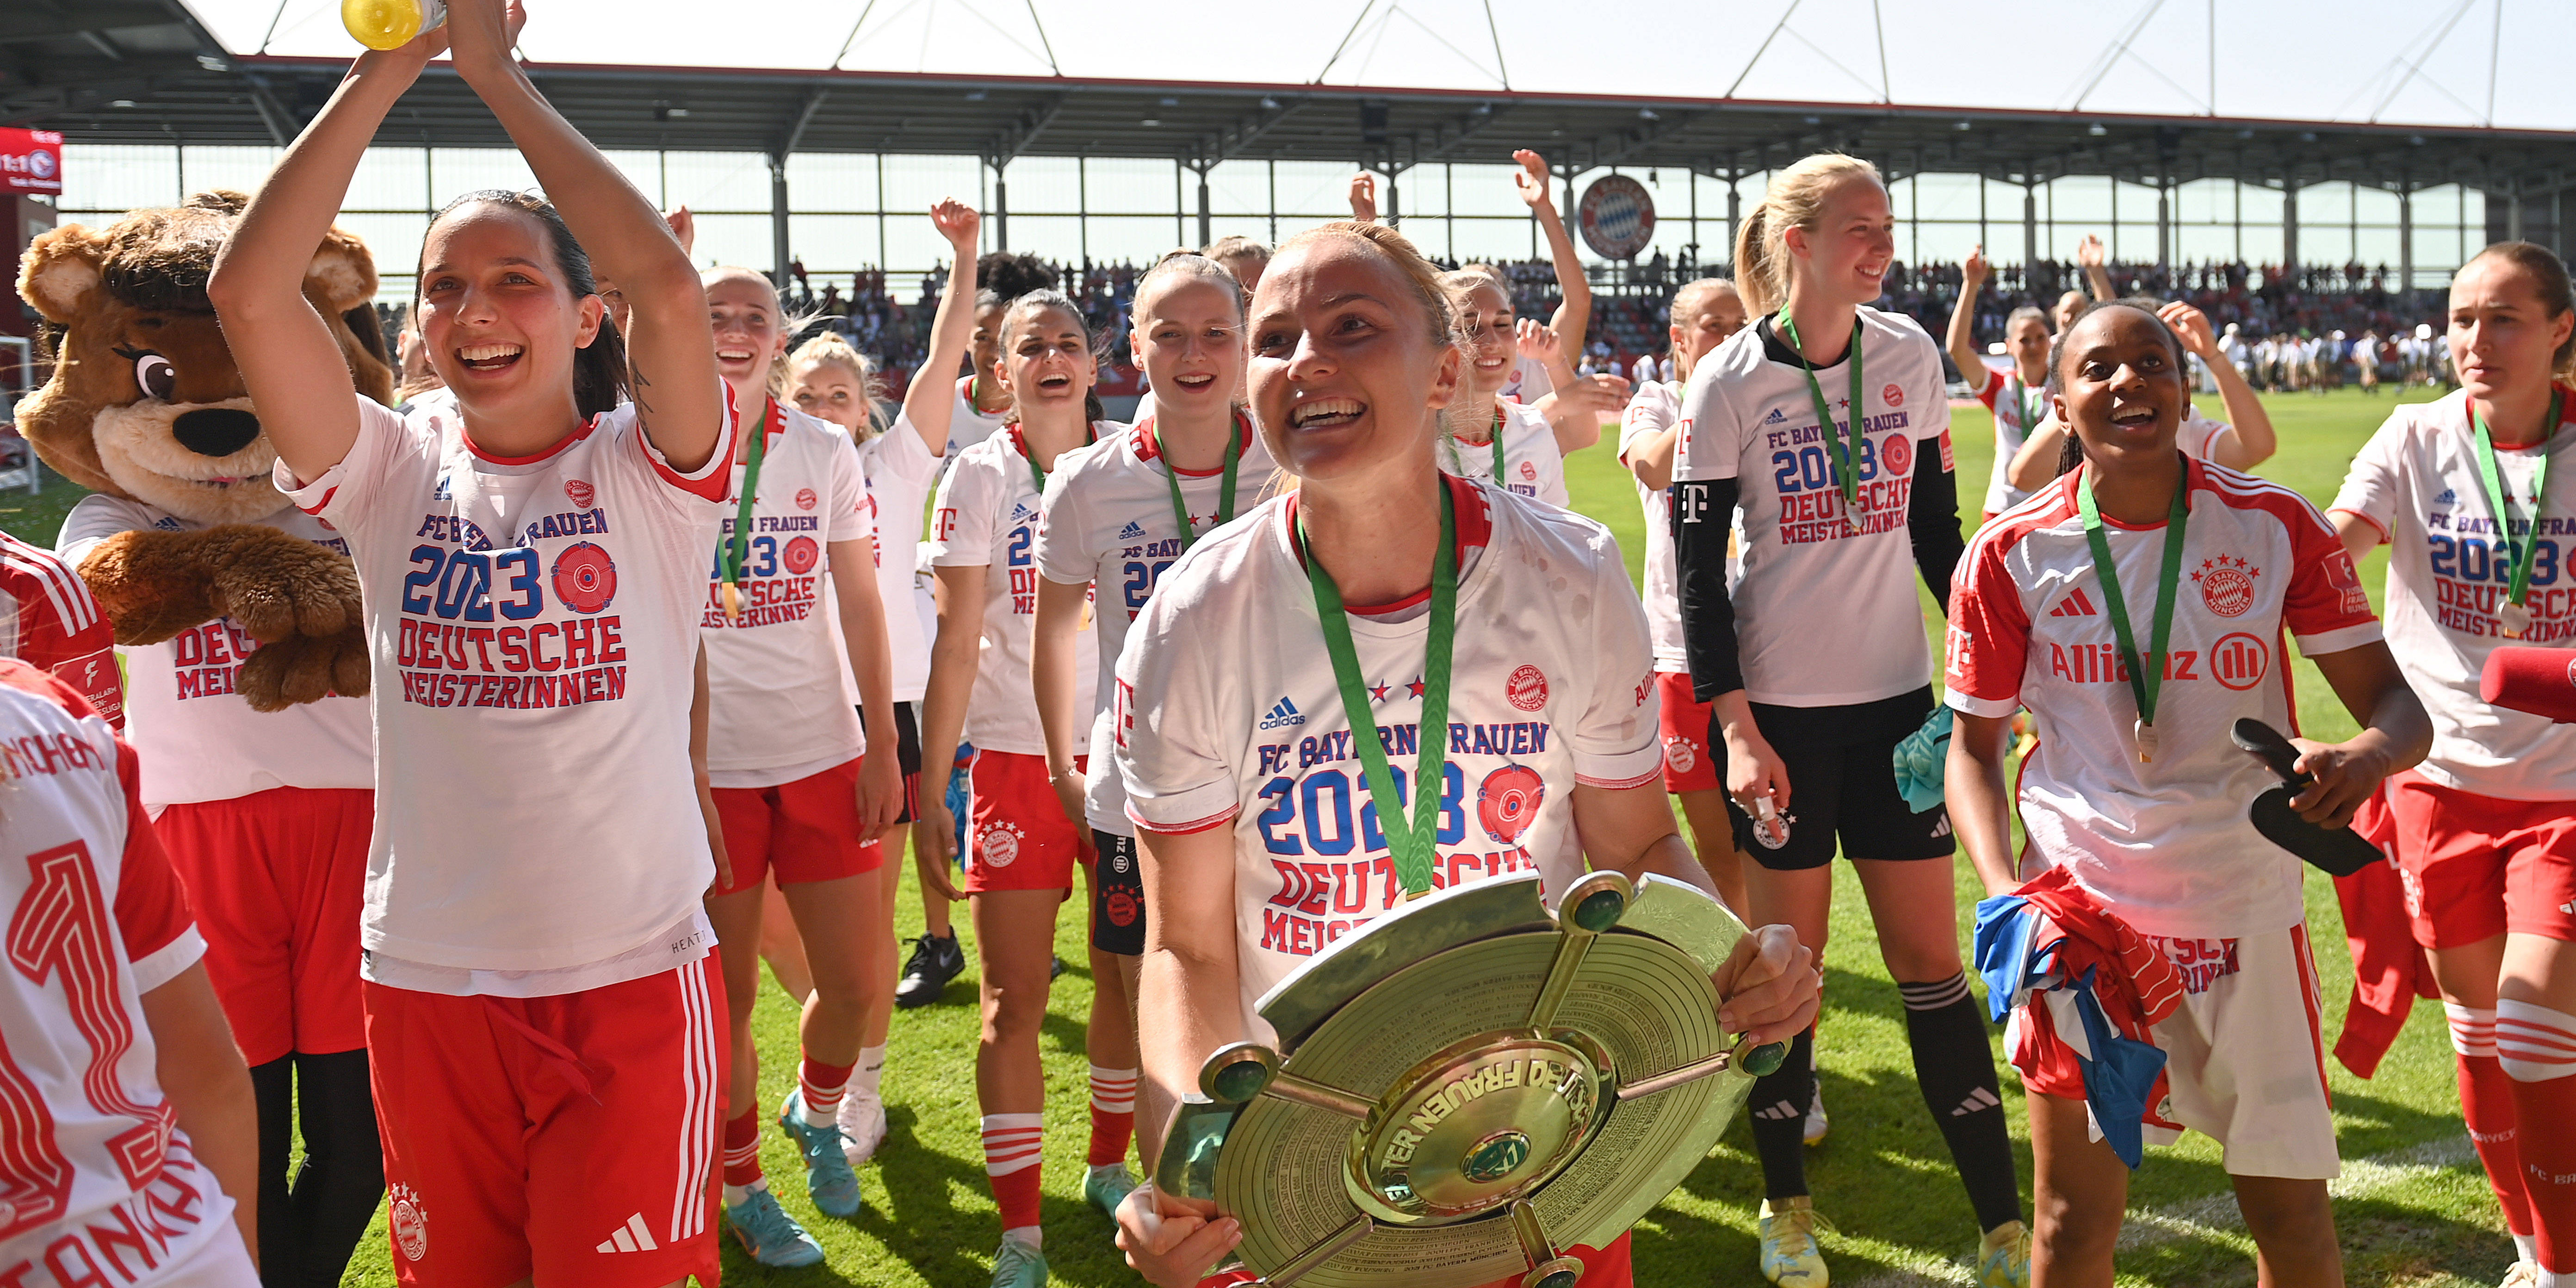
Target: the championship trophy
pixel 1470 1086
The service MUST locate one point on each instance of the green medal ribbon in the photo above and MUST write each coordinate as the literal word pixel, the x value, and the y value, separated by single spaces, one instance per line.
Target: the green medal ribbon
pixel 2144 681
pixel 1411 845
pixel 738 546
pixel 2028 407
pixel 2519 589
pixel 1171 475
pixel 1501 479
pixel 1020 439
pixel 1847 443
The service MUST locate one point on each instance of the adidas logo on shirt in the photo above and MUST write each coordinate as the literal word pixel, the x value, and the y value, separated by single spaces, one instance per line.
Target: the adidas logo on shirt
pixel 2077 604
pixel 630 1237
pixel 1775 417
pixel 1283 715
pixel 2448 497
pixel 1132 531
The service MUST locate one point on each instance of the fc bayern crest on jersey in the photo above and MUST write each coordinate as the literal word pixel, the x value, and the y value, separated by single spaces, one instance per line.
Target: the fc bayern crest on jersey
pixel 799 556
pixel 585 577
pixel 998 845
pixel 1529 471
pixel 1898 455
pixel 410 1223
pixel 2227 585
pixel 1527 688
pixel 579 493
pixel 1121 908
pixel 1507 800
pixel 805 498
pixel 1682 754
pixel 1894 395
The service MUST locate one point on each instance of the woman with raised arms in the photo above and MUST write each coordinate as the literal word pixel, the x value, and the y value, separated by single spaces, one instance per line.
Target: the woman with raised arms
pixel 1021 849
pixel 1377 572
pixel 543 1006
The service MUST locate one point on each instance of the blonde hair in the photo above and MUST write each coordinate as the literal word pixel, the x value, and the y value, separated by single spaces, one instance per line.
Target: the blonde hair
pixel 1188 266
pixel 1419 273
pixel 1229 250
pixel 1793 200
pixel 829 349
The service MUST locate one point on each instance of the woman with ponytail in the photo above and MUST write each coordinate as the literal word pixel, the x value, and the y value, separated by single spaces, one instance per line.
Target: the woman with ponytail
pixel 1827 423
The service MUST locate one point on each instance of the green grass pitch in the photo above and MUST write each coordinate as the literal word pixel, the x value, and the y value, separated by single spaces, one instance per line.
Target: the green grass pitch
pixel 2412 1207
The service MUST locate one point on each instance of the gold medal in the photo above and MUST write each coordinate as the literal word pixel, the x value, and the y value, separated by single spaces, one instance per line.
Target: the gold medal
pixel 2146 736
pixel 2512 619
pixel 732 602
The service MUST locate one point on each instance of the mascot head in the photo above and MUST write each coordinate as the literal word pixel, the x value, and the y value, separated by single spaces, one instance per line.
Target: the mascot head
pixel 145 401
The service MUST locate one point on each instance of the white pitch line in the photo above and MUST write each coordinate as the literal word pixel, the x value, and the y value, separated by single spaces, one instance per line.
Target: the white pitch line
pixel 2216 1214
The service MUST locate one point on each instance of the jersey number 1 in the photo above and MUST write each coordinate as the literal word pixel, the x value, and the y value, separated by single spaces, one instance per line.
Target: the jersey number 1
pixel 62 930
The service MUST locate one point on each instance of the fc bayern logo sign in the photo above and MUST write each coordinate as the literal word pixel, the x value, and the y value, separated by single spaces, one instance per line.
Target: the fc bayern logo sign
pixel 1618 217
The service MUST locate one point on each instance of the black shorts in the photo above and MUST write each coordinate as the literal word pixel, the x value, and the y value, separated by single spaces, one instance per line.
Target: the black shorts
pixel 1117 896
pixel 1841 763
pixel 907 753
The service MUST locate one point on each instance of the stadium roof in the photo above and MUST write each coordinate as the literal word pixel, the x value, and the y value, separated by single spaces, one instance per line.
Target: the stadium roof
pixel 147 71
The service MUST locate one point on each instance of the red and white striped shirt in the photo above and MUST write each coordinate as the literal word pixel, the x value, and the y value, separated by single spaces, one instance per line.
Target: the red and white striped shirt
pixel 49 620
pixel 2165 845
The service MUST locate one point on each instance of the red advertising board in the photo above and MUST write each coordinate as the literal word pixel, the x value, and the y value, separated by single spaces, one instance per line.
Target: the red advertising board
pixel 31 161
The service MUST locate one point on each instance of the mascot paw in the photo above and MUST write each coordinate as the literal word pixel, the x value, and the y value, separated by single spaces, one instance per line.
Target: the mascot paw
pixel 278 586
pixel 306 668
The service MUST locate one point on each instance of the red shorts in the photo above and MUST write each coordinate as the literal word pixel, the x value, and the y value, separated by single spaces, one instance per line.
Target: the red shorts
pixel 807 830
pixel 572 1138
pixel 279 880
pixel 1602 1268
pixel 1017 835
pixel 1687 765
pixel 2477 866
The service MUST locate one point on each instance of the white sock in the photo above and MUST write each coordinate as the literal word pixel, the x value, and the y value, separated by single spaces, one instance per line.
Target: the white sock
pixel 864 1080
pixel 2548 1278
pixel 735 1194
pixel 2526 1247
pixel 1030 1237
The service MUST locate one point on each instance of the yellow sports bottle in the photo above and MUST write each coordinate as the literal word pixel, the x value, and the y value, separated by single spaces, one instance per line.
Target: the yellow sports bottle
pixel 390 24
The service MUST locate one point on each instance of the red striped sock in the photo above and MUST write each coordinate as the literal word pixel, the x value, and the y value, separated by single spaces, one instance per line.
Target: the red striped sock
pixel 2486 1105
pixel 822 1085
pixel 2537 1048
pixel 1113 1114
pixel 1011 1155
pixel 742 1148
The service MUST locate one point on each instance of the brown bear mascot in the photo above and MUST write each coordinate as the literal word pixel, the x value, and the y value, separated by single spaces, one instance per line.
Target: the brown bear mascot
pixel 145 405
pixel 238 618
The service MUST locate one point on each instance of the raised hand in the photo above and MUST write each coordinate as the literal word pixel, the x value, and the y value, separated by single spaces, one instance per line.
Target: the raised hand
pixel 1975 270
pixel 2088 252
pixel 684 226
pixel 2193 326
pixel 1364 197
pixel 959 223
pixel 1538 341
pixel 1531 179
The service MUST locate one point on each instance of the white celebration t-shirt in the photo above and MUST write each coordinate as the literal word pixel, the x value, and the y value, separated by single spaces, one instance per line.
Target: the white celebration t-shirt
pixel 780 696
pixel 2166 844
pixel 1228 715
pixel 1826 611
pixel 1533 465
pixel 1655 408
pixel 2417 482
pixel 900 472
pixel 967 425
pixel 199 739
pixel 986 516
pixel 533 624
pixel 1108 524
pixel 102 1175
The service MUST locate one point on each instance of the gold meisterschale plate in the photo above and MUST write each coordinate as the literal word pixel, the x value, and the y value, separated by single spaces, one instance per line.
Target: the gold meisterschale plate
pixel 1471 1086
